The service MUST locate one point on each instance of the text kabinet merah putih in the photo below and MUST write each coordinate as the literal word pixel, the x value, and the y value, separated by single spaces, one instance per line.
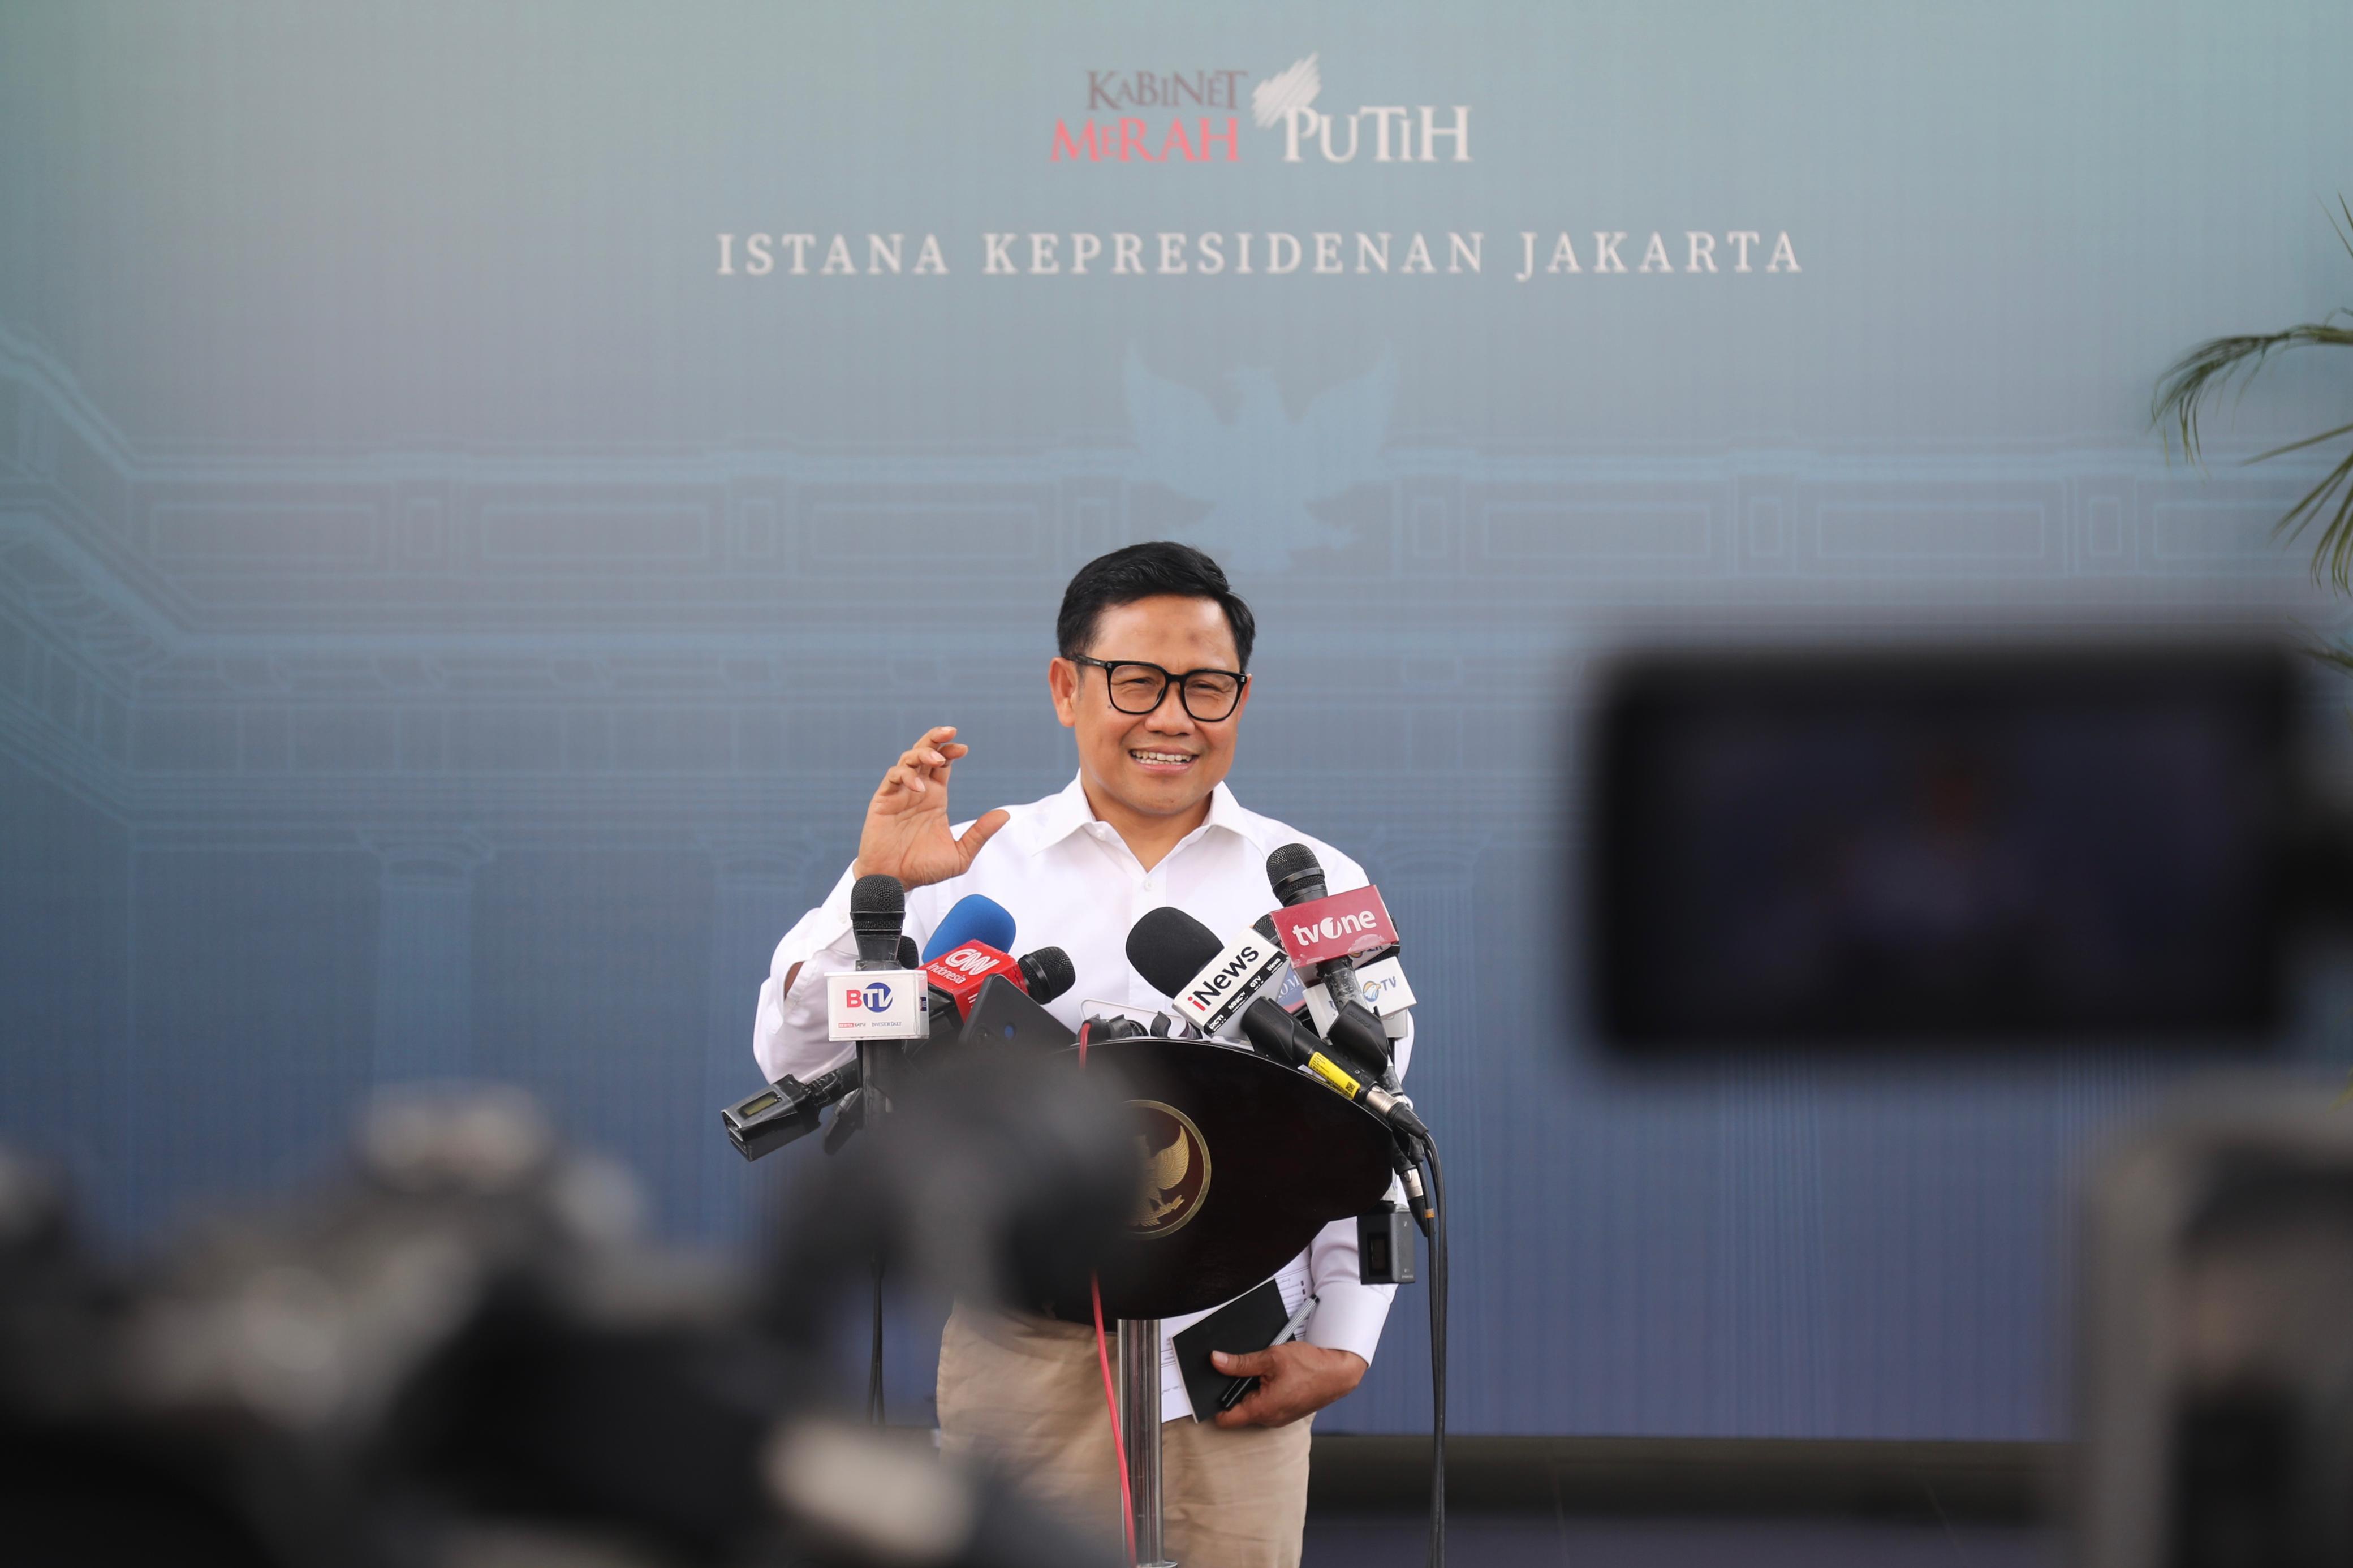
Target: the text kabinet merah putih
pixel 1255 253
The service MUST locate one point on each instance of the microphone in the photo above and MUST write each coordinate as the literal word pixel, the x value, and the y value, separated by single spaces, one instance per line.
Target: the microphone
pixel 1046 974
pixel 878 1015
pixel 974 918
pixel 1118 1021
pixel 957 978
pixel 1275 1033
pixel 878 908
pixel 786 1110
pixel 1208 983
pixel 1177 954
pixel 1001 1014
pixel 1323 936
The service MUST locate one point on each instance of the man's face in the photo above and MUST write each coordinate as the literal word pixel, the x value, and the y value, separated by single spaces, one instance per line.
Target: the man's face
pixel 1164 763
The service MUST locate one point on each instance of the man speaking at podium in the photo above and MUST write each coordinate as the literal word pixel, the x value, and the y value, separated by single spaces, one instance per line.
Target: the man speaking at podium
pixel 1152 680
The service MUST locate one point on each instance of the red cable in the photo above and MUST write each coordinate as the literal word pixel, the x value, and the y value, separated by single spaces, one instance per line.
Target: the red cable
pixel 1111 1397
pixel 1118 1442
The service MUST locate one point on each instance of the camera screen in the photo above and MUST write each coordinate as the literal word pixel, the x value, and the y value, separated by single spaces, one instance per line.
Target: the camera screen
pixel 1818 847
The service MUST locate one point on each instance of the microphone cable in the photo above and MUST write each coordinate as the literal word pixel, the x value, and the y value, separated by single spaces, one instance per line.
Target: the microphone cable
pixel 874 1360
pixel 1103 1360
pixel 1437 1356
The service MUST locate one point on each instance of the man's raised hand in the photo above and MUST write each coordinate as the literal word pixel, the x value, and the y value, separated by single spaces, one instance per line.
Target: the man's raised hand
pixel 907 834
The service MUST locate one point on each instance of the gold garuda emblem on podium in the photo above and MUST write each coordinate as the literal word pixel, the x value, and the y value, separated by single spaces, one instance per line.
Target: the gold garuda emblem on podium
pixel 1176 1168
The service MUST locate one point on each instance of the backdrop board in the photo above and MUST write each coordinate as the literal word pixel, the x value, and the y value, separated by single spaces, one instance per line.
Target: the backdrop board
pixel 485 489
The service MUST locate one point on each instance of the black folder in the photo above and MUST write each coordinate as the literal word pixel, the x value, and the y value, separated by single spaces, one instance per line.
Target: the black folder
pixel 1249 1322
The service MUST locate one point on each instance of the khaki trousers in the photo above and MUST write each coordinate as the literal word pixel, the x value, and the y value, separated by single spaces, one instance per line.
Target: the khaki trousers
pixel 1026 1394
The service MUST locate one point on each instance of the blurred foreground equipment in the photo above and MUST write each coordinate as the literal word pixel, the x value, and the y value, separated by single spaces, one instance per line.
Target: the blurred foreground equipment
pixel 1974 845
pixel 461 1355
pixel 2217 1351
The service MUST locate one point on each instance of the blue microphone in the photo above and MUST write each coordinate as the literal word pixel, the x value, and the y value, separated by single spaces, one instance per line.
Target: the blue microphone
pixel 973 919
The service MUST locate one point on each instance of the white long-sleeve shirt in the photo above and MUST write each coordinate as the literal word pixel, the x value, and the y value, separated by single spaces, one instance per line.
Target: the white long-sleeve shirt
pixel 1070 881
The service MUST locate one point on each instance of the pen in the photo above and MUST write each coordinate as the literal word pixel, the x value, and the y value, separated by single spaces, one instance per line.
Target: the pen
pixel 1243 1386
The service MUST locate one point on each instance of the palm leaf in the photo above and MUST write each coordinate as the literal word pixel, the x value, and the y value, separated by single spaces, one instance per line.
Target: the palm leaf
pixel 2207 371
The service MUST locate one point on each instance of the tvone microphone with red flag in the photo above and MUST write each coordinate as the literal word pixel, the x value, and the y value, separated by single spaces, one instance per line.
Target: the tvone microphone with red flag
pixel 1324 934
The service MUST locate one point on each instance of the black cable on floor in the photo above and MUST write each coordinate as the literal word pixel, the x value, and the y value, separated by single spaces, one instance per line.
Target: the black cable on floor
pixel 874 1362
pixel 1437 1358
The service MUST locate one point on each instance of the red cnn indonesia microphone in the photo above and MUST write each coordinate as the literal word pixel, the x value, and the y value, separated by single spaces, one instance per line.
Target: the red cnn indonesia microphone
pixel 959 978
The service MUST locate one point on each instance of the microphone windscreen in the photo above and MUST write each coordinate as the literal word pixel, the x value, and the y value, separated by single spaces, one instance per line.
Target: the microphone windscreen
pixel 974 918
pixel 878 903
pixel 1047 974
pixel 1168 947
pixel 908 957
pixel 1295 875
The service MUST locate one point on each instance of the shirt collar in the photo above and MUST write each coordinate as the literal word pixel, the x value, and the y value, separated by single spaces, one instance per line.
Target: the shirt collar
pixel 1067 813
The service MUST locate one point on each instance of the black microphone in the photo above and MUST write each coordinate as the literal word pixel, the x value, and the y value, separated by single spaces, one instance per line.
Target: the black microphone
pixel 1297 877
pixel 1177 954
pixel 1047 974
pixel 959 976
pixel 1183 959
pixel 878 914
pixel 878 908
pixel 786 1111
pixel 1010 1011
pixel 1275 1033
pixel 1014 1008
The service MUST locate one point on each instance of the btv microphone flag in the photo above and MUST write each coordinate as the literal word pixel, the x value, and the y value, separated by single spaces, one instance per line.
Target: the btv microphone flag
pixel 974 918
pixel 877 1004
pixel 1340 925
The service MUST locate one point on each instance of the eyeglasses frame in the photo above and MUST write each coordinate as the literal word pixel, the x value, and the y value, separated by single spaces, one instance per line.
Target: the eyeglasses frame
pixel 1168 678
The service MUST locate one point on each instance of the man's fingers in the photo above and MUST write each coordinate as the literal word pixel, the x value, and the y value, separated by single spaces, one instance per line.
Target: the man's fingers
pixel 1244 1364
pixel 981 832
pixel 1262 1408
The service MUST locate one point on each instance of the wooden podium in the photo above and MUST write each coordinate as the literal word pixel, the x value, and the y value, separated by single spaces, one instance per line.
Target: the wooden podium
pixel 1245 1161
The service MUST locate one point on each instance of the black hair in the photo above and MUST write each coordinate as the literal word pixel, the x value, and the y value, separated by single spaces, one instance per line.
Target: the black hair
pixel 1147 572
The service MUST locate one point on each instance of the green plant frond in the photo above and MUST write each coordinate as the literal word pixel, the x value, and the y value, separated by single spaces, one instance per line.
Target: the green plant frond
pixel 2208 369
pixel 2300 446
pixel 2333 556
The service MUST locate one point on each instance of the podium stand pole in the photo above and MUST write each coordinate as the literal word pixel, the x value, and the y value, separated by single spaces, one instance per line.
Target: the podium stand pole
pixel 1139 1425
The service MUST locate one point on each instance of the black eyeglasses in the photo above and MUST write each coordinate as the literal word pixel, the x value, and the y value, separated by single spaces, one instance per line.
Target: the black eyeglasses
pixel 1209 695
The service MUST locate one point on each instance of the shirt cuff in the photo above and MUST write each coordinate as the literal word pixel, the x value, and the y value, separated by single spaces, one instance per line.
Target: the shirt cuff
pixel 1348 1316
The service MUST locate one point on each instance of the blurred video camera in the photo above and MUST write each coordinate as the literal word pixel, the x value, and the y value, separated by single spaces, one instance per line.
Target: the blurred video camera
pixel 1998 849
pixel 2218 1340
pixel 1989 845
pixel 461 1355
